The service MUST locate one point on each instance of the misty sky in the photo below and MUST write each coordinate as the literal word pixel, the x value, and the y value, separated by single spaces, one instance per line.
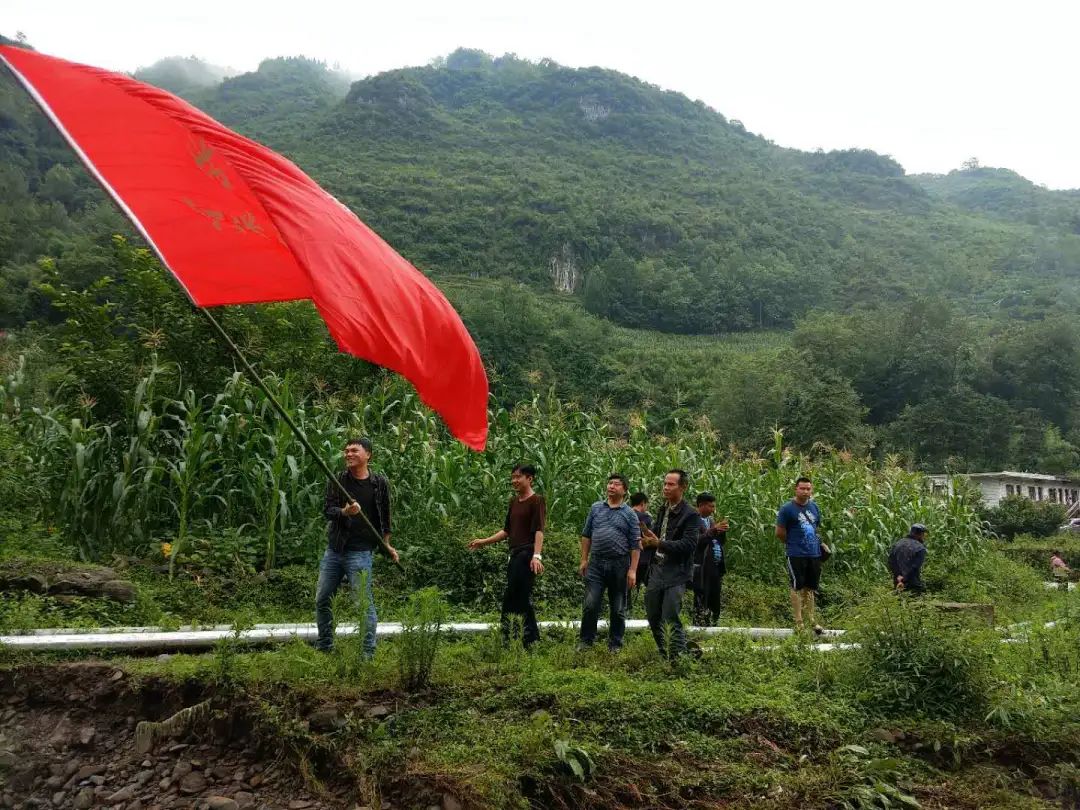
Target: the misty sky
pixel 930 83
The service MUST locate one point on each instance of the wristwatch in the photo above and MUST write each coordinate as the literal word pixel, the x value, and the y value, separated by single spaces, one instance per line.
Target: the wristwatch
pixel 538 556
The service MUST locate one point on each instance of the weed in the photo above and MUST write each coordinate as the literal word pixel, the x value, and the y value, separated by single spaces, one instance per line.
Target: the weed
pixel 421 631
pixel 910 662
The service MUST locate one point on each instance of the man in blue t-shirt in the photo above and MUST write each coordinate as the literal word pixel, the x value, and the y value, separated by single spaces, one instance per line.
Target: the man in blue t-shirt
pixel 798 525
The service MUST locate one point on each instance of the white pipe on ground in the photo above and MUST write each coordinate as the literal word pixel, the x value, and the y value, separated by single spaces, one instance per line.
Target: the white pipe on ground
pixel 151 638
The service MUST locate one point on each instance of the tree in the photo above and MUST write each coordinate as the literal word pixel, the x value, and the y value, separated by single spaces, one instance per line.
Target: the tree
pixel 1016 514
pixel 822 407
pixel 958 423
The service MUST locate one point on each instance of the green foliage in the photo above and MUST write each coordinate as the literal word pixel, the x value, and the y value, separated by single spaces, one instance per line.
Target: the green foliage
pixel 498 176
pixel 880 777
pixel 1016 514
pixel 575 758
pixel 421 631
pixel 911 662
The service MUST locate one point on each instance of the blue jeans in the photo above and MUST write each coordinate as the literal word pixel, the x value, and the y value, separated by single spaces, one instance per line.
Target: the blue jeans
pixel 334 567
pixel 605 574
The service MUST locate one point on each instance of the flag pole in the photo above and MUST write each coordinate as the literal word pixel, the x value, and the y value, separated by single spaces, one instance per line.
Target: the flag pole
pixel 284 414
pixel 122 205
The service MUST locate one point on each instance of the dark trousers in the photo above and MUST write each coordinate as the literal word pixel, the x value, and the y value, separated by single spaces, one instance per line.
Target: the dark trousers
pixel 662 606
pixel 632 593
pixel 517 599
pixel 707 590
pixel 605 575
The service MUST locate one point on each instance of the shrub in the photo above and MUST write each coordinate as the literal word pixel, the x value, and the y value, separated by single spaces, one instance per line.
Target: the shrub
pixel 1016 514
pixel 912 663
pixel 421 630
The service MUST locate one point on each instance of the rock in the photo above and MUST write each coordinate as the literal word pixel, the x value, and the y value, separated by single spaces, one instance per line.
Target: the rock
pixel 116 675
pixel 97 779
pixel 143 777
pixel 243 798
pixel 239 775
pixel 53 782
pixel 61 734
pixel 8 759
pixel 85 772
pixel 221 773
pixel 58 798
pixel 301 804
pixel 375 712
pixel 327 718
pixel 163 657
pixel 256 780
pixel 124 794
pixel 193 783
pixel 221 803
pixel 34 583
pixel 883 735
pixel 182 768
pixel 450 802
pixel 164 783
pixel 71 767
pixel 87 734
pixel 198 764
pixel 982 613
pixel 84 800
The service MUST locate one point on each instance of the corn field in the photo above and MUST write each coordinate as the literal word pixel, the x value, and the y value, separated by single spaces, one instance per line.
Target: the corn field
pixel 223 482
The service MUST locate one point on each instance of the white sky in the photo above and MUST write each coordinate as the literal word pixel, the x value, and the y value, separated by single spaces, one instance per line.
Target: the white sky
pixel 930 83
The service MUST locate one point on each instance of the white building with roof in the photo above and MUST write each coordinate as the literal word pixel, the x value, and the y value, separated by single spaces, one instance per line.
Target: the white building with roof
pixel 998 485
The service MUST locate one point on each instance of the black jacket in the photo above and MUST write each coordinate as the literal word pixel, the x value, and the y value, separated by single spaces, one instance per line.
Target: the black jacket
pixel 703 557
pixel 674 560
pixel 906 560
pixel 338 523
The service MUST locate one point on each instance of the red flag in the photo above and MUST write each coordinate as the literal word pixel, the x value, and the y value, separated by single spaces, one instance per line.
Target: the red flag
pixel 237 223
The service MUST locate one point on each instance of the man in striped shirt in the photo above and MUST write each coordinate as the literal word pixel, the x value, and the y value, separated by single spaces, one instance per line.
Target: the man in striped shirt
pixel 610 545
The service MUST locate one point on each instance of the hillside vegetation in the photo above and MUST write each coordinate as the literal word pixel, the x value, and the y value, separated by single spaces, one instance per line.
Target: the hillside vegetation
pixel 626 246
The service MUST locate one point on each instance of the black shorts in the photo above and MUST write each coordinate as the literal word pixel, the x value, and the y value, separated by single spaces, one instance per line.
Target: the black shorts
pixel 804 573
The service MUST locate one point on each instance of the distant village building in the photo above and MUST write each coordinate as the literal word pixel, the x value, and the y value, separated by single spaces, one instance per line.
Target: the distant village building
pixel 998 485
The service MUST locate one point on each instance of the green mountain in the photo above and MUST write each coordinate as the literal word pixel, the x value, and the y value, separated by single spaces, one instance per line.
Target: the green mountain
pixel 1005 195
pixel 627 246
pixel 183 74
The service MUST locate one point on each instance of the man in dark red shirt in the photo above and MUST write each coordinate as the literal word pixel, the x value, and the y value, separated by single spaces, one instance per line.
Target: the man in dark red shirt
pixel 525 522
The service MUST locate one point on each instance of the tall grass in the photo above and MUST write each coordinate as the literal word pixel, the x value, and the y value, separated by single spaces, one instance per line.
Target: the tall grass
pixel 181 469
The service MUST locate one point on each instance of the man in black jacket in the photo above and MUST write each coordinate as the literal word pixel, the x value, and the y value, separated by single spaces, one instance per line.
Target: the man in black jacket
pixel 710 564
pixel 357 526
pixel 677 528
pixel 906 559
